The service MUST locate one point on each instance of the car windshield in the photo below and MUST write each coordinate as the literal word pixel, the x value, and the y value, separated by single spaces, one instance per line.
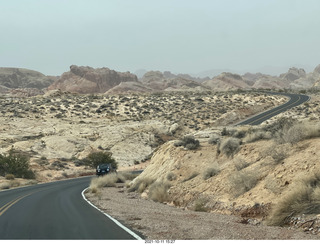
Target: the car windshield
pixel 104 166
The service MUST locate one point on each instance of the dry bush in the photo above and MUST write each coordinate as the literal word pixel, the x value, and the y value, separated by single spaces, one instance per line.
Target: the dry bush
pixel 188 142
pixel 277 153
pixel 241 164
pixel 140 184
pixel 200 205
pixel 108 180
pixel 298 132
pixel 243 181
pixel 257 136
pixel 4 185
pixel 9 177
pixel 214 140
pixel 230 146
pixel 171 176
pixel 303 199
pixel 158 192
pixel 211 171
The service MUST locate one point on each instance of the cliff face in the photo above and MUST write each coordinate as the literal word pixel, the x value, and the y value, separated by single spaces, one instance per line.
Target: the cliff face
pixel 24 78
pixel 84 79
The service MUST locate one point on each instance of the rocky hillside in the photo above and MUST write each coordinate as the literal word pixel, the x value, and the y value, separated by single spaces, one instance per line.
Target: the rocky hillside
pixel 23 82
pixel 24 78
pixel 270 172
pixel 86 80
pixel 60 127
pixel 226 81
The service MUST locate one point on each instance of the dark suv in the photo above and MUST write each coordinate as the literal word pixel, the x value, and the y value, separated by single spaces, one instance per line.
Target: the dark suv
pixel 103 169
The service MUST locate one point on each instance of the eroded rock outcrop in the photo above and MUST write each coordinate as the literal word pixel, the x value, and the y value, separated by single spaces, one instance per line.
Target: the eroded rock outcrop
pixel 84 79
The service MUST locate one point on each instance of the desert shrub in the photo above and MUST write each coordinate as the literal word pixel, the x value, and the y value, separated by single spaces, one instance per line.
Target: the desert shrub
pixel 230 146
pixel 298 132
pixel 108 180
pixel 4 185
pixel 200 205
pixel 211 171
pixel 96 158
pixel 257 136
pixel 279 125
pixel 303 199
pixel 214 140
pixel 278 155
pixel 158 192
pixel 141 184
pixel 171 176
pixel 243 181
pixel 9 177
pixel 16 164
pixel 241 164
pixel 189 142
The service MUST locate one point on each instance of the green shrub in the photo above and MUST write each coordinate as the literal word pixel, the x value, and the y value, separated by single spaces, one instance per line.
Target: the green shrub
pixel 16 164
pixel 96 158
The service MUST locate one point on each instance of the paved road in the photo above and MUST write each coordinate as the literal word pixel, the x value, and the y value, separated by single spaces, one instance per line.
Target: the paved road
pixel 54 211
pixel 295 100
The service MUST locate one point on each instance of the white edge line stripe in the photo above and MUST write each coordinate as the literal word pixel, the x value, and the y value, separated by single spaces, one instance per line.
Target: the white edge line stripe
pixel 114 220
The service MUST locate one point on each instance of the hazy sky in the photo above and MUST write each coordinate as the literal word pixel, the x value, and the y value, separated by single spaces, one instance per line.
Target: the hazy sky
pixel 182 36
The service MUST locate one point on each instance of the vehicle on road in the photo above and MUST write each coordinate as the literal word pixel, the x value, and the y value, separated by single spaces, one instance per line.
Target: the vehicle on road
pixel 103 169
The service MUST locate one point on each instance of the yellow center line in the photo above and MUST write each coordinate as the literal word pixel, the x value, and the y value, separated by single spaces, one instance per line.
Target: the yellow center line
pixel 11 203
pixel 275 111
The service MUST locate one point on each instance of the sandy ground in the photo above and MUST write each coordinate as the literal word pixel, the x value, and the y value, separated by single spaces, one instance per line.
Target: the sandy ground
pixel 157 221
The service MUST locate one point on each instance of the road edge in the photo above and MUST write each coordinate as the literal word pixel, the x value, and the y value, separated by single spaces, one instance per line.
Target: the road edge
pixel 111 218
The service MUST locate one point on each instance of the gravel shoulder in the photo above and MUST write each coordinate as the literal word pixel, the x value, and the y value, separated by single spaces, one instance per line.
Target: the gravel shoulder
pixel 157 221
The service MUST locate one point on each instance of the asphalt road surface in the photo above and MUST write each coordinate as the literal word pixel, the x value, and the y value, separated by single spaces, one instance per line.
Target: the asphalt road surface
pixel 54 210
pixel 295 100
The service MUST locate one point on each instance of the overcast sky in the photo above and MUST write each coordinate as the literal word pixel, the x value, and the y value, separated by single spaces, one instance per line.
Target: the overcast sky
pixel 182 36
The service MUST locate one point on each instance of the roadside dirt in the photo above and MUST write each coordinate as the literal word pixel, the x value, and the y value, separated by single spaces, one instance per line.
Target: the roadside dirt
pixel 159 221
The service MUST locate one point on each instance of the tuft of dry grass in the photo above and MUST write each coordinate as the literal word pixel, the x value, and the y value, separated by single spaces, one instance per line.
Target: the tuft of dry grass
pixel 9 177
pixel 296 132
pixel 108 180
pixel 140 184
pixel 303 199
pixel 243 181
pixel 158 192
pixel 211 171
pixel 257 136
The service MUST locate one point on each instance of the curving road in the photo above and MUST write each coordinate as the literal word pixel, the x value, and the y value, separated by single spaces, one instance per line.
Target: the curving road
pixel 295 100
pixel 57 210
pixel 54 211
